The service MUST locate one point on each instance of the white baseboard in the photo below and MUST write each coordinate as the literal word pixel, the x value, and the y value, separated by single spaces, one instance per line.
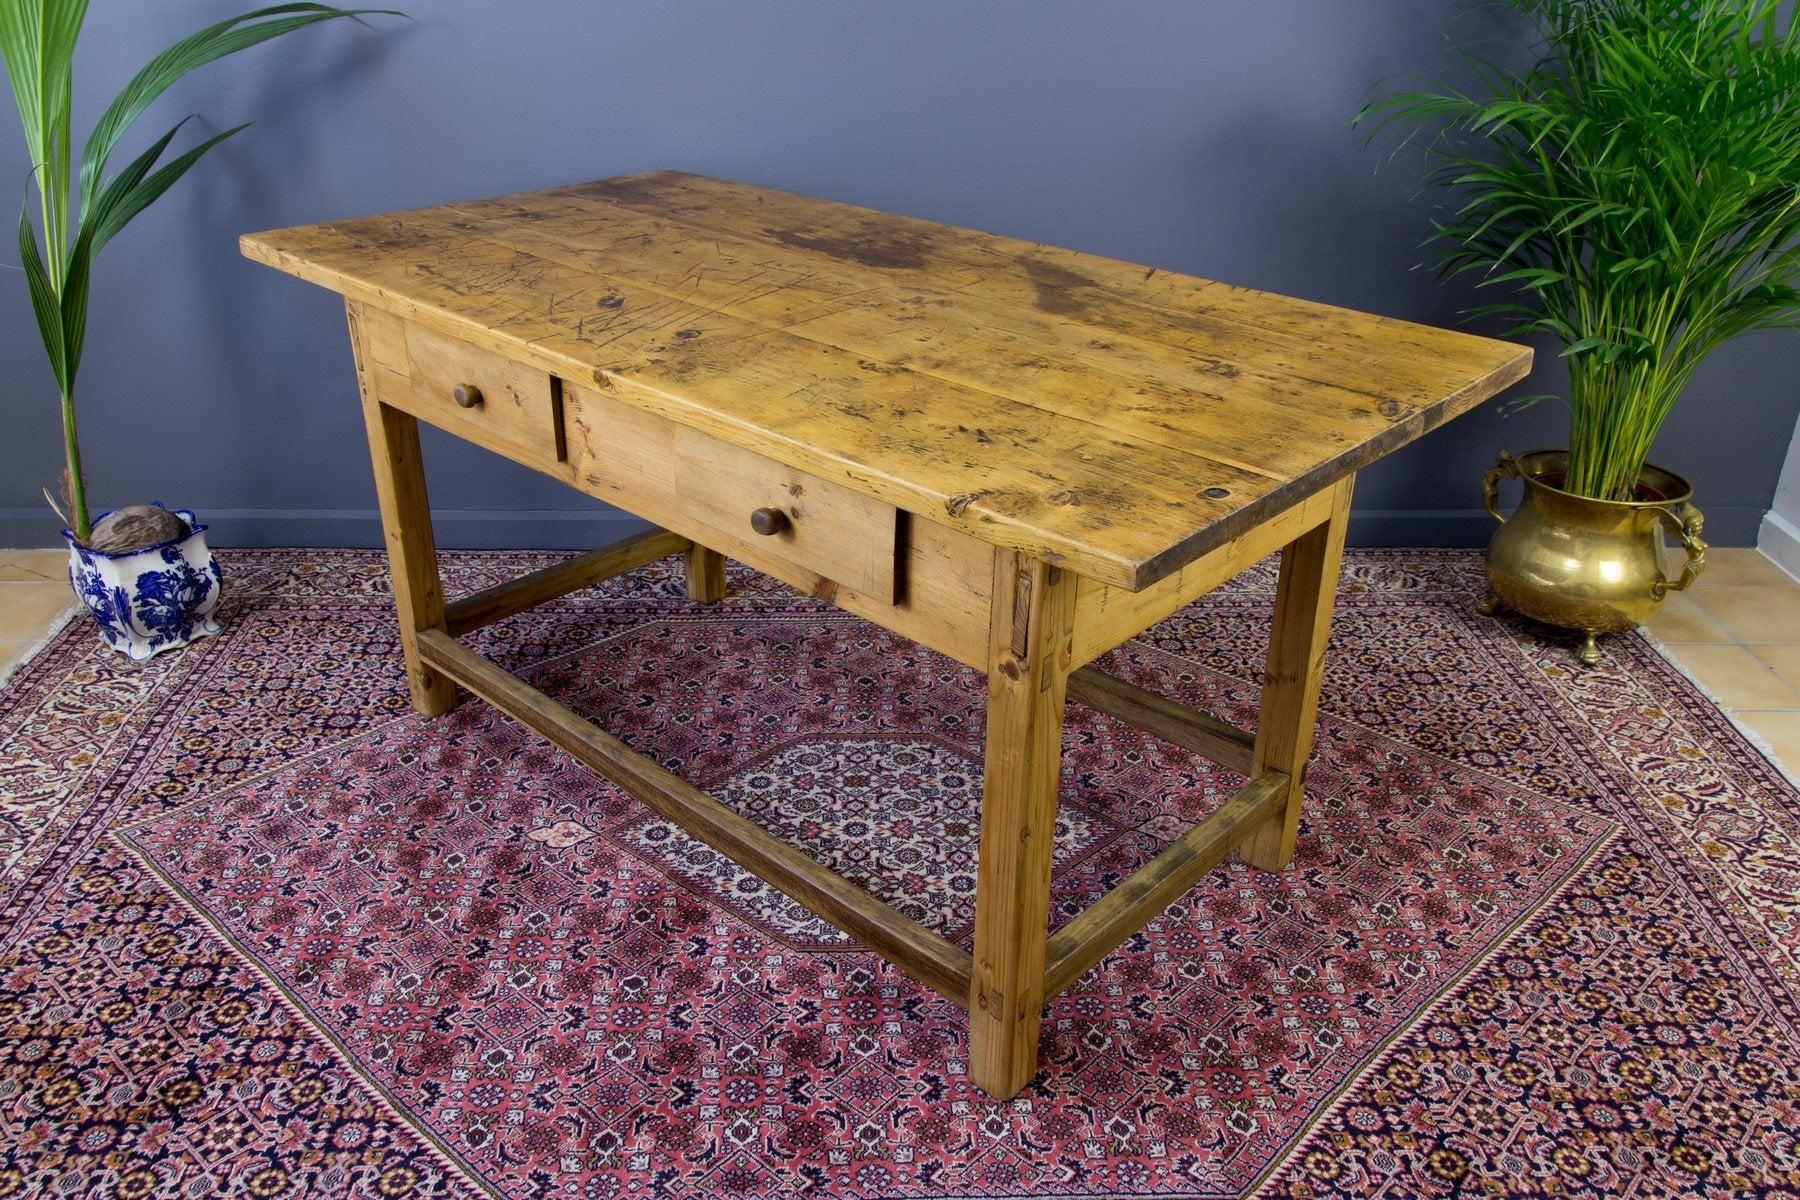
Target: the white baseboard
pixel 1779 541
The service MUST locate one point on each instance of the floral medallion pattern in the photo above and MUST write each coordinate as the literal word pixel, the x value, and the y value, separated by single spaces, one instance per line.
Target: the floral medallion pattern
pixel 890 813
pixel 267 933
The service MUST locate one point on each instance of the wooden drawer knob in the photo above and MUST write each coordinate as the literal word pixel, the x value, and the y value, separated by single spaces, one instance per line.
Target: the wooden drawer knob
pixel 466 395
pixel 768 521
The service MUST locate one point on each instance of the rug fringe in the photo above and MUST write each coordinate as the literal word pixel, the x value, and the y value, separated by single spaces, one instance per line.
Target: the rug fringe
pixel 31 649
pixel 1791 773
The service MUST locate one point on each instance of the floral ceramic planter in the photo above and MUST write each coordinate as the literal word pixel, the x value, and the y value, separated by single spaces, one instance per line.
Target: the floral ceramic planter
pixel 152 599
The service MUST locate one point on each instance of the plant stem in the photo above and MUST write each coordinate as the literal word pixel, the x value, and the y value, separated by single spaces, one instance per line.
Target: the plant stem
pixel 74 490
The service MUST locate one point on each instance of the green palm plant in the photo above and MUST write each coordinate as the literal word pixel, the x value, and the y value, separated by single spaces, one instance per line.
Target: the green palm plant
pixel 1636 192
pixel 37 40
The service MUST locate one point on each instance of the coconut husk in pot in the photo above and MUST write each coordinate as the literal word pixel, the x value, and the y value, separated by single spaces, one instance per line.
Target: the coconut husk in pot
pixel 134 527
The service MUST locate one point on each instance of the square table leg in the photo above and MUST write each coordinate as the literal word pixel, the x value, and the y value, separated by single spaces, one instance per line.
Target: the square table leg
pixel 1029 661
pixel 406 526
pixel 1304 594
pixel 705 574
pixel 412 551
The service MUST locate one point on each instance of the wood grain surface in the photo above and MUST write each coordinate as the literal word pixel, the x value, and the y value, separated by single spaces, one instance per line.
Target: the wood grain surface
pixel 1117 420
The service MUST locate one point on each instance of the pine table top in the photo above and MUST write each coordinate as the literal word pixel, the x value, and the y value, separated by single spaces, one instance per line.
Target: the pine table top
pixel 1114 419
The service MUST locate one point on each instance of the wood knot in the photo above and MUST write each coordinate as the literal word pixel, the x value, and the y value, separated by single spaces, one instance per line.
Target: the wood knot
pixel 959 503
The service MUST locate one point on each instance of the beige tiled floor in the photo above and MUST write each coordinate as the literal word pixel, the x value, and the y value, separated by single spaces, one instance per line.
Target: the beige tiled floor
pixel 34 590
pixel 1737 632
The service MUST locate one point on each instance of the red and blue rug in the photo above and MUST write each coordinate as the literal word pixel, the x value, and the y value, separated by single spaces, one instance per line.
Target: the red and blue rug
pixel 266 932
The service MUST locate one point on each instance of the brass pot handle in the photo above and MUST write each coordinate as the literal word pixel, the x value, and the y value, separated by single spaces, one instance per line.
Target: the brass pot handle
pixel 1505 467
pixel 1685 522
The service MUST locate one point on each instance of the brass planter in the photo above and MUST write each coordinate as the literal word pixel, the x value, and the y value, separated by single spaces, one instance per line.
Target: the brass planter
pixel 1594 565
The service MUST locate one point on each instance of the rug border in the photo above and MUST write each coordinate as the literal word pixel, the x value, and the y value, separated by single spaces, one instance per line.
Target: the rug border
pixel 297 1008
pixel 1734 939
pixel 1389 1044
pixel 121 836
pixel 1756 740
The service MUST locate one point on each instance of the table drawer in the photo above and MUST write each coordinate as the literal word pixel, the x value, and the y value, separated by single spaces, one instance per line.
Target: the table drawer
pixel 507 400
pixel 474 393
pixel 831 540
pixel 827 529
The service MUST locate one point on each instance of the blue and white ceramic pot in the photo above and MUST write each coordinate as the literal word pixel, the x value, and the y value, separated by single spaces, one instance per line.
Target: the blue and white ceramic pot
pixel 154 599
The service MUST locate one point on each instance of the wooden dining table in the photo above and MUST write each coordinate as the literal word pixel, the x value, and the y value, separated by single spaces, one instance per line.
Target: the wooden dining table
pixel 1017 455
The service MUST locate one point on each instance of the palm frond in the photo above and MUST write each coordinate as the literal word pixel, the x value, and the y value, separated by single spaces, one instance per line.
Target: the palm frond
pixel 129 193
pixel 37 41
pixel 196 50
pixel 46 304
pixel 1636 190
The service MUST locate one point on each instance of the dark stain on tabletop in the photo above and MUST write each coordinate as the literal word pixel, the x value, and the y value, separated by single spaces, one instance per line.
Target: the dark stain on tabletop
pixel 872 245
pixel 652 190
pixel 1057 286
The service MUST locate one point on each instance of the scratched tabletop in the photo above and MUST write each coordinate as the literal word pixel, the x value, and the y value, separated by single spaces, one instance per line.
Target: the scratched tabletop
pixel 1117 419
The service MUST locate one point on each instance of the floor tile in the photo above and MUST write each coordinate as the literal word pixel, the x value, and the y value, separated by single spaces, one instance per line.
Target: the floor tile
pixel 1680 619
pixel 1784 658
pixel 33 565
pixel 9 653
pixel 1779 731
pixel 1753 614
pixel 1734 676
pixel 1736 566
pixel 27 607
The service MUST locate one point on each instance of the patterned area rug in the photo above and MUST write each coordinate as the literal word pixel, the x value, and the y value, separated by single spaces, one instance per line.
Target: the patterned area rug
pixel 266 932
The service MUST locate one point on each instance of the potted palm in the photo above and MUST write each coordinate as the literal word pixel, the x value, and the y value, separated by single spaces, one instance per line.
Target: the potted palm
pixel 144 573
pixel 1636 192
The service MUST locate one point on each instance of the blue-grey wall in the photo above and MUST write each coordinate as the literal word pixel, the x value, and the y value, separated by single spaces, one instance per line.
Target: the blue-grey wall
pixel 1205 137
